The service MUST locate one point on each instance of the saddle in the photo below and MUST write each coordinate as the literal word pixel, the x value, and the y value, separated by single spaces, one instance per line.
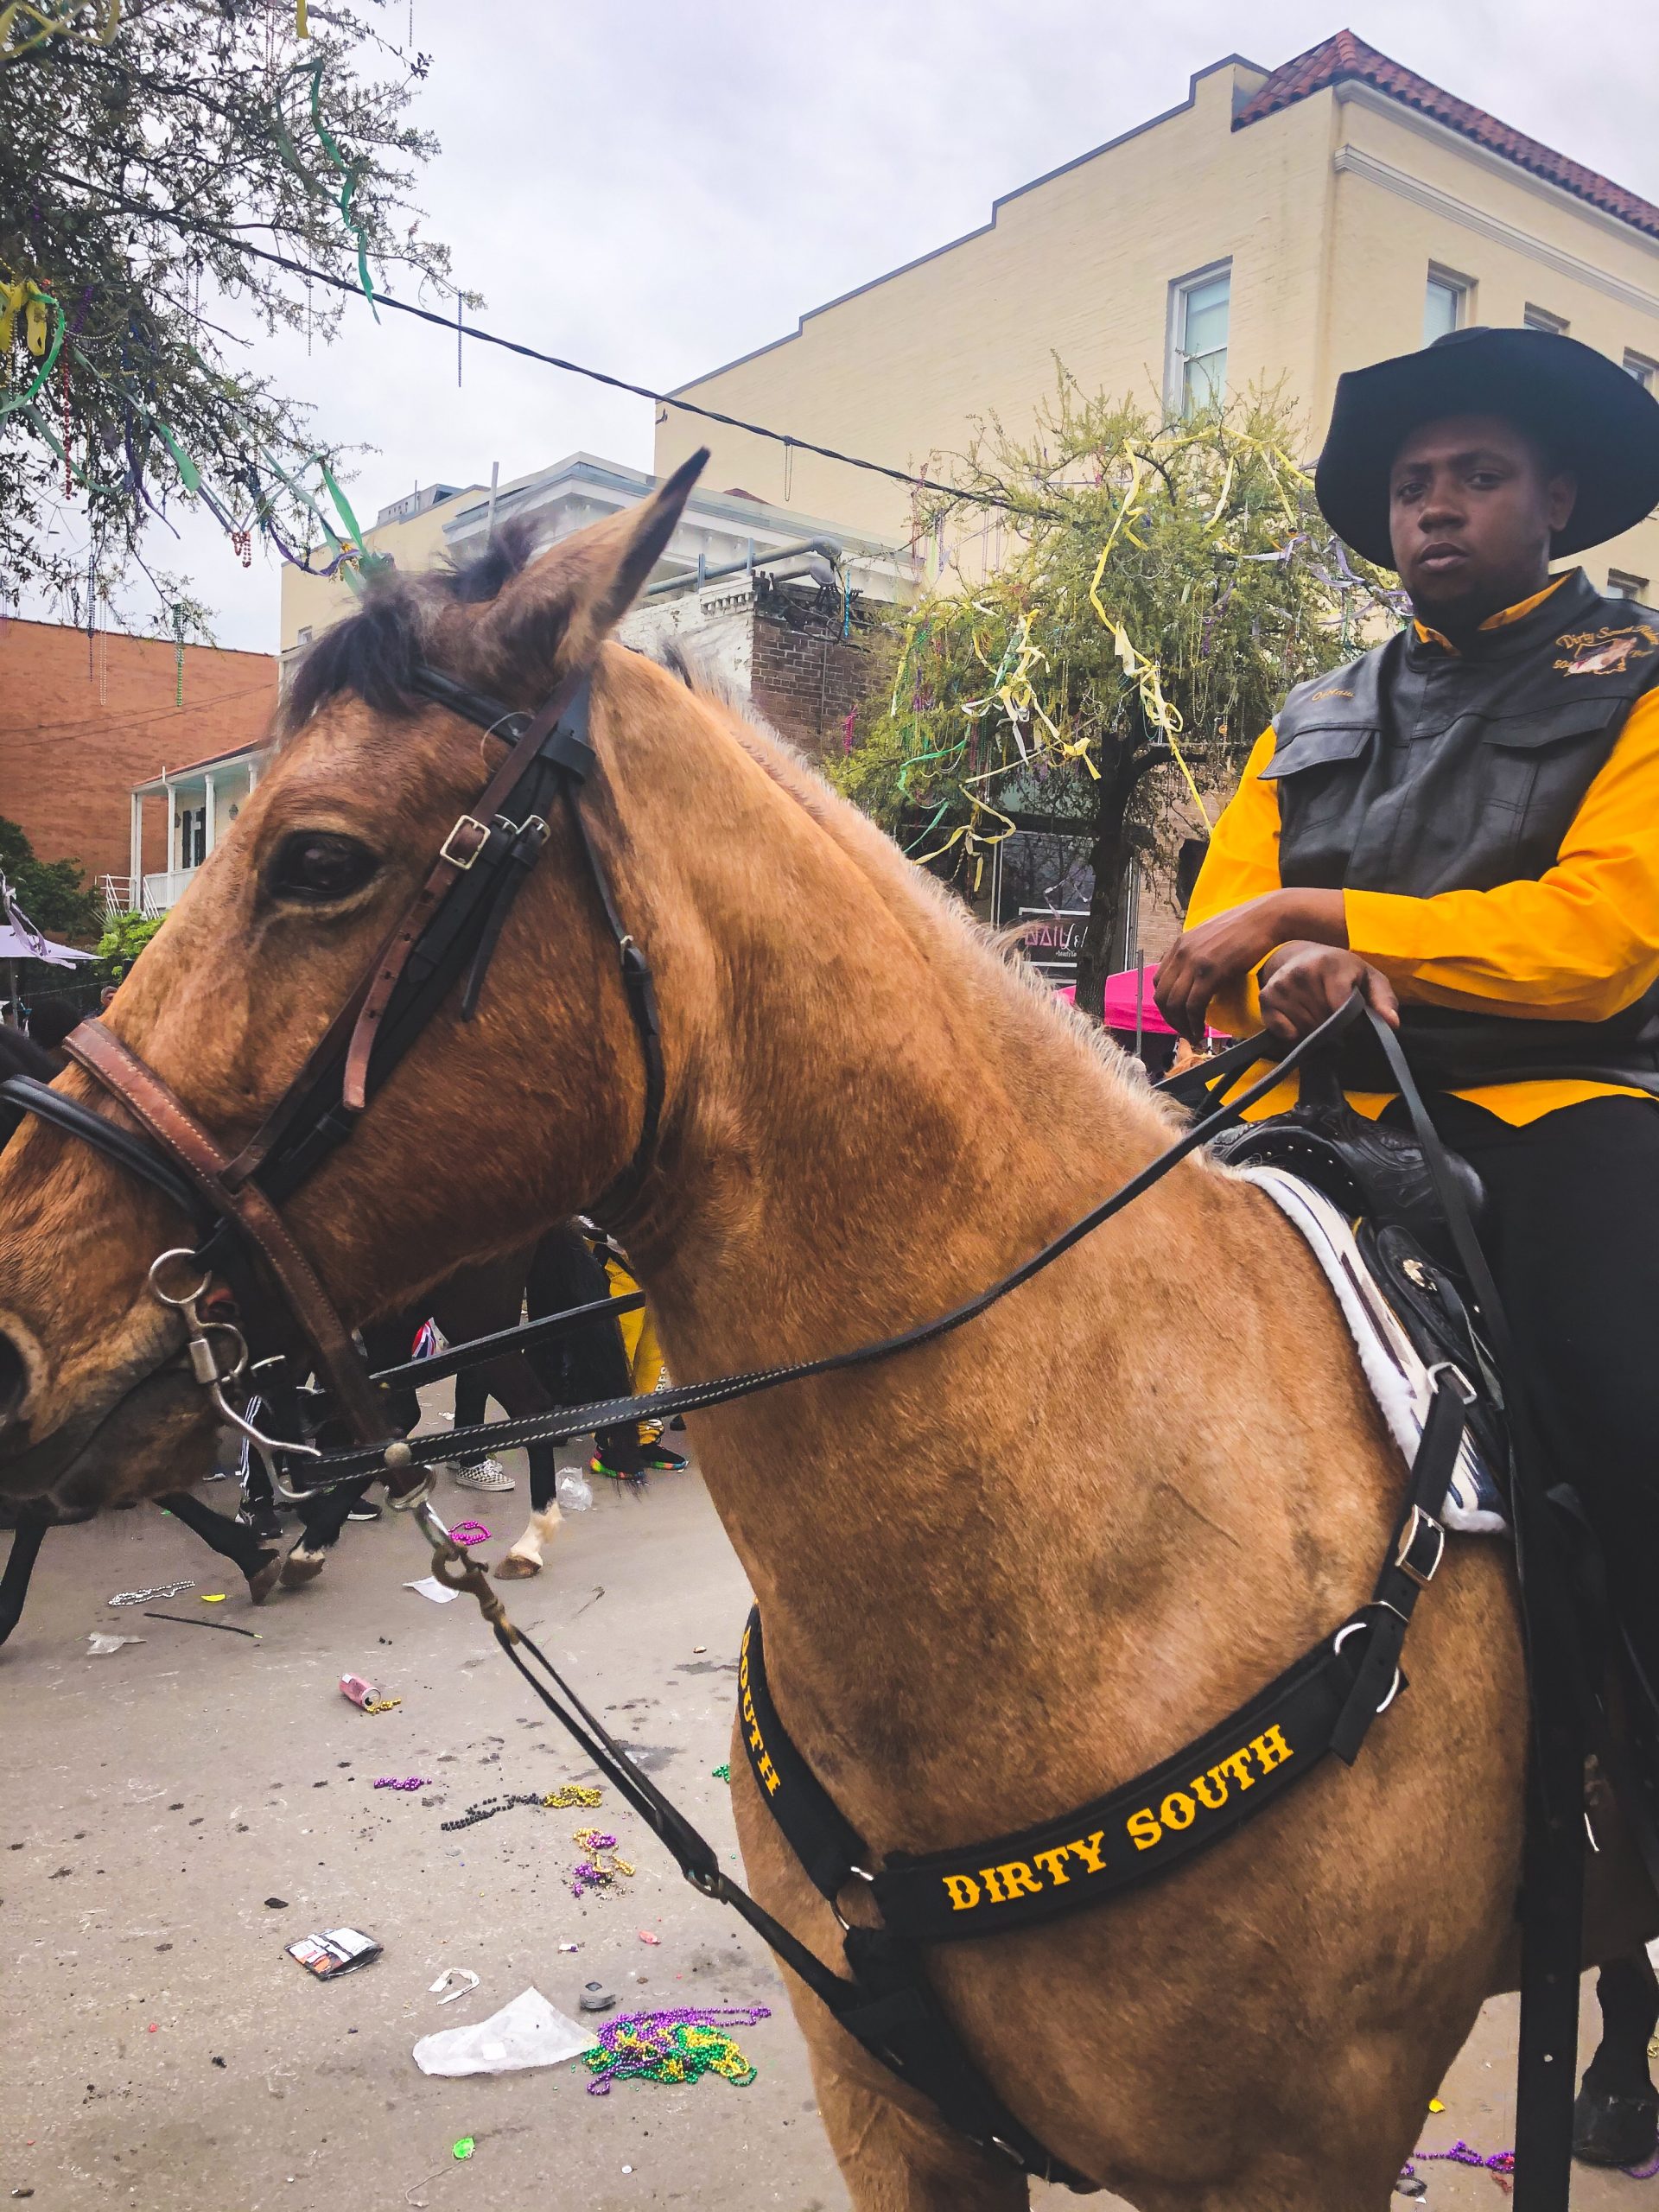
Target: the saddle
pixel 1379 1179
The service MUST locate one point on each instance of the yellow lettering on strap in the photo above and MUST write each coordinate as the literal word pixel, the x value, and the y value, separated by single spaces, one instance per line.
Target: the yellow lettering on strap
pixel 963 1892
pixel 1238 1766
pixel 1271 1749
pixel 1020 1881
pixel 1090 1851
pixel 1145 1828
pixel 1055 1862
pixel 1202 1784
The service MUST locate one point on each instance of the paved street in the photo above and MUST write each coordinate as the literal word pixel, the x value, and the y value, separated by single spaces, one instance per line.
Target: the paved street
pixel 163 2051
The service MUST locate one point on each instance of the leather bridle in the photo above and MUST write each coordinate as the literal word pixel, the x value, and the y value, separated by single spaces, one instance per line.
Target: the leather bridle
pixel 452 924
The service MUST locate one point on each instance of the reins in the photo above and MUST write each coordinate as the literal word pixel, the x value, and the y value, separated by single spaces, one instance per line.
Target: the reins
pixel 351 1464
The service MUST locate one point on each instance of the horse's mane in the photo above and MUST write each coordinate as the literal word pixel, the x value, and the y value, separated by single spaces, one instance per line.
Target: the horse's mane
pixel 927 908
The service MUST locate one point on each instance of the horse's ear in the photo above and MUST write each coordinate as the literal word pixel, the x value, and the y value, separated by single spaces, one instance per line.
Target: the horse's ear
pixel 564 606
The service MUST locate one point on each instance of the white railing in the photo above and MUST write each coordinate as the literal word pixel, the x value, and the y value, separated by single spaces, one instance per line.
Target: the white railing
pixel 148 895
pixel 165 890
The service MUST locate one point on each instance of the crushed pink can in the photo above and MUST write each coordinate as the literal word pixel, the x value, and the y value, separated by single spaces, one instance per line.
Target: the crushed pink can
pixel 360 1692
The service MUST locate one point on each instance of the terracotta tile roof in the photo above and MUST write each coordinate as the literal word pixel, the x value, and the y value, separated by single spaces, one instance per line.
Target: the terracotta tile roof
pixel 1345 57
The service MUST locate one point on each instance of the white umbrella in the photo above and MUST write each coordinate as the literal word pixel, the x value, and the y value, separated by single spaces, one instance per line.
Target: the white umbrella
pixel 20 940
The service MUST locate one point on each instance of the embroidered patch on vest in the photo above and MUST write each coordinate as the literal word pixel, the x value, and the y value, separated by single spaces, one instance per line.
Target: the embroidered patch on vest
pixel 1606 652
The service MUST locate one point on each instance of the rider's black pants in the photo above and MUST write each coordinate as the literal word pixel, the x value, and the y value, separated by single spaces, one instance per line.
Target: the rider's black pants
pixel 1572 1234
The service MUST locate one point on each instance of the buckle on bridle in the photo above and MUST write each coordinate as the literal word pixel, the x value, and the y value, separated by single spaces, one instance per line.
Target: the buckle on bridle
pixel 1422 1548
pixel 528 837
pixel 480 837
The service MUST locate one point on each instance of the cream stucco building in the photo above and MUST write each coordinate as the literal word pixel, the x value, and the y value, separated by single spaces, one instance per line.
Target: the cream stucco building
pixel 1285 224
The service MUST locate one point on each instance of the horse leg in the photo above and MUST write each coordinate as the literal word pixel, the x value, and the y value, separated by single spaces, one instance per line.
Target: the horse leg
pixel 525 1557
pixel 1616 2119
pixel 229 1539
pixel 321 1519
pixel 896 2157
pixel 34 1519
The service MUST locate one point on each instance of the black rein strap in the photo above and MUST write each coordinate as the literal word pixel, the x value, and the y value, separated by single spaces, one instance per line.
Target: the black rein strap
pixel 348 1464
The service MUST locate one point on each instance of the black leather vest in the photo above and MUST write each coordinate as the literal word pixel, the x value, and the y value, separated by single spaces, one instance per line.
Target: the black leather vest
pixel 1416 770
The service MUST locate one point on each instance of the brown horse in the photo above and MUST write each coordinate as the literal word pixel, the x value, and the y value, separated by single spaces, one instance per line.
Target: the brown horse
pixel 999 1576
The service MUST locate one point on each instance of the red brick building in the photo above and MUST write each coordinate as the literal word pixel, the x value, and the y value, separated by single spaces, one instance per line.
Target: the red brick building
pixel 81 722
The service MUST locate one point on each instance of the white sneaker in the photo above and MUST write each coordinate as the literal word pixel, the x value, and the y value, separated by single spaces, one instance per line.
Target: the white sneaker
pixel 483 1474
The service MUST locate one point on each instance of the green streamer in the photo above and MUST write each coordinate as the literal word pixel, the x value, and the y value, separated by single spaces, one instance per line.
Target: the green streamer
pixel 350 171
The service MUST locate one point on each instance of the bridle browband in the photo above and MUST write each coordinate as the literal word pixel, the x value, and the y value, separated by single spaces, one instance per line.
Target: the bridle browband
pixel 452 926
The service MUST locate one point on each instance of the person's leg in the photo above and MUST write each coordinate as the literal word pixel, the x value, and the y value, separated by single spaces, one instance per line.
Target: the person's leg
pixel 472 1399
pixel 1573 1236
pixel 646 1367
pixel 258 1498
pixel 595 1366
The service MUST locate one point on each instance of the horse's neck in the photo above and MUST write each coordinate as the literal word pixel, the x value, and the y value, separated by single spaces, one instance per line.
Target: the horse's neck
pixel 879 1120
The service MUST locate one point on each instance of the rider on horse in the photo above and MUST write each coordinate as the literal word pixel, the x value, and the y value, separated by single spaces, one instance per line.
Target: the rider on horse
pixel 1463 824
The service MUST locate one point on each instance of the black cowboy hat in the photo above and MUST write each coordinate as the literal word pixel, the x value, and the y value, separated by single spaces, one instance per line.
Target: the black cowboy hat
pixel 1591 415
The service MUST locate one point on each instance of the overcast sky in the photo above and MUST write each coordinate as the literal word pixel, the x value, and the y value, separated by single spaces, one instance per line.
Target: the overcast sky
pixel 656 189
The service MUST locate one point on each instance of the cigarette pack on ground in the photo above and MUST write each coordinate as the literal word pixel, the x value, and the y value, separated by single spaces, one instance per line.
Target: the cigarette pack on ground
pixel 338 1951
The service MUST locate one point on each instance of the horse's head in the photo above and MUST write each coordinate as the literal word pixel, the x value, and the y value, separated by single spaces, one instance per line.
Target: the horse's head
pixel 483 1129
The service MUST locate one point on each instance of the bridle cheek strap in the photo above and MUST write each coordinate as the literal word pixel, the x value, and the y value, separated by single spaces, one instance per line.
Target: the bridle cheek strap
pixel 157 1108
pixel 460 849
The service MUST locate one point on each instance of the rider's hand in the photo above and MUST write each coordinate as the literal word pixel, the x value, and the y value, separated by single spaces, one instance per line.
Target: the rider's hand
pixel 1303 983
pixel 1219 952
pixel 1205 959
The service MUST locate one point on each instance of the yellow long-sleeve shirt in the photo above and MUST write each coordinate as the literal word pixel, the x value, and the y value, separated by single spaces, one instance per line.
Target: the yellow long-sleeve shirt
pixel 1578 945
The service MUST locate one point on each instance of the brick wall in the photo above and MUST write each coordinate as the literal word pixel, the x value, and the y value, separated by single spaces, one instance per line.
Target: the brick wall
pixel 79 729
pixel 807 683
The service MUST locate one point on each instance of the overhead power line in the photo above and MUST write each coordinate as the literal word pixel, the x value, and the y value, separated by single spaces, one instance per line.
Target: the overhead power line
pixel 639 390
pixel 452 326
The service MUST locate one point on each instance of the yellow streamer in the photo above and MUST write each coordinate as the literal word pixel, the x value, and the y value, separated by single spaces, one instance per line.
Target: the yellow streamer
pixel 1011 690
pixel 53 22
pixel 1144 674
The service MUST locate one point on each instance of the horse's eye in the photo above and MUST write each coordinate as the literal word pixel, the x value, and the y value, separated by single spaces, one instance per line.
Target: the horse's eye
pixel 319 865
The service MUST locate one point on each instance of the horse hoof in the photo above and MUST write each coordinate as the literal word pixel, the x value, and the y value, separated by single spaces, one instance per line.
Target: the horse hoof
pixel 299 1568
pixel 1615 2131
pixel 263 1581
pixel 515 1567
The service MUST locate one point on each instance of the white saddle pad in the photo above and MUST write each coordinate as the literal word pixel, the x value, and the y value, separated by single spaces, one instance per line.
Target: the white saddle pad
pixel 1396 1373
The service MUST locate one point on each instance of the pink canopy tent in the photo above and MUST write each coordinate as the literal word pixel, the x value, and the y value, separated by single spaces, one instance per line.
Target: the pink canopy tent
pixel 1121 1001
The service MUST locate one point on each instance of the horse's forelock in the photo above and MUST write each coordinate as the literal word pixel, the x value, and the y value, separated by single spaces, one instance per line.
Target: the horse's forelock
pixel 373 653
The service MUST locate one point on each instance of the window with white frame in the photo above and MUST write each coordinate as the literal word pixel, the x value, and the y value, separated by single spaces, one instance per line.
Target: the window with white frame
pixel 1639 366
pixel 1621 586
pixel 1534 318
pixel 1445 303
pixel 1199 308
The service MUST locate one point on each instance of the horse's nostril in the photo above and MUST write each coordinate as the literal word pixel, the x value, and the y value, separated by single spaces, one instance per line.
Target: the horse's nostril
pixel 14 1380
